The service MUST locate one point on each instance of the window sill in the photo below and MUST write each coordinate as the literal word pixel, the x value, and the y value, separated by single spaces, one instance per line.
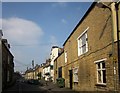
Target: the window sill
pixel 102 85
pixel 83 54
pixel 76 82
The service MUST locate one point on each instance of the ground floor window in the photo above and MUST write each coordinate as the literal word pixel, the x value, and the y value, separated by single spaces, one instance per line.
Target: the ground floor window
pixel 8 76
pixel 75 75
pixel 60 72
pixel 101 71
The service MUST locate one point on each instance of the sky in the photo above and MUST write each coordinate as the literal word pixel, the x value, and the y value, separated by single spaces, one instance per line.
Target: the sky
pixel 0 15
pixel 32 28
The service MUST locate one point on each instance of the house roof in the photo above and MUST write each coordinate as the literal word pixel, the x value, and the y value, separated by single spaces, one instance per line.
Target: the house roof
pixel 88 11
pixel 3 43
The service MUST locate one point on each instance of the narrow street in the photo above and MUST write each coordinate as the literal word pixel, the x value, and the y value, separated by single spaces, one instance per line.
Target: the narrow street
pixel 21 87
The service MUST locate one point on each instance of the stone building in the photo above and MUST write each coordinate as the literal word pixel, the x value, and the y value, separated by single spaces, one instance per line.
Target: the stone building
pixel 46 70
pixel 34 73
pixel 59 62
pixel 55 52
pixel 29 74
pixel 7 64
pixel 90 58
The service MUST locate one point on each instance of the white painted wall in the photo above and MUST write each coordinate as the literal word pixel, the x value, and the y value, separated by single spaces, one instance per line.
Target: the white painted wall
pixel 47 70
pixel 43 72
pixel 54 55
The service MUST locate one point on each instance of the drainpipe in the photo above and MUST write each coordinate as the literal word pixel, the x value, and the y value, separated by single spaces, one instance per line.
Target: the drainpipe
pixel 118 35
pixel 114 39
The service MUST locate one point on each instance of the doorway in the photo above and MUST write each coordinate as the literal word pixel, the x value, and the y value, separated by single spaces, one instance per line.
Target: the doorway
pixel 70 78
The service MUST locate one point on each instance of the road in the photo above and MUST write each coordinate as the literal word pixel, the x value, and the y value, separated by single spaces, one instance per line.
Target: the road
pixel 20 87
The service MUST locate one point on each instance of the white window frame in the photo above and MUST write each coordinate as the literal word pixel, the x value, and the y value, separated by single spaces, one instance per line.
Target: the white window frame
pixel 80 45
pixel 75 74
pixel 65 56
pixel 101 70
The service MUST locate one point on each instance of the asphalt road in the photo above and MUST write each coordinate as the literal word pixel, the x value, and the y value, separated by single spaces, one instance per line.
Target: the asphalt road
pixel 20 87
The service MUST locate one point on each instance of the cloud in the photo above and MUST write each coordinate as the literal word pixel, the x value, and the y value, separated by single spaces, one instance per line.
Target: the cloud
pixel 64 21
pixel 29 36
pixel 59 4
pixel 53 40
pixel 24 32
pixel 18 30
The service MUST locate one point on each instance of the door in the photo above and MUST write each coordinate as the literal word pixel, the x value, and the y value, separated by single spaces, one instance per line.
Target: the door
pixel 70 78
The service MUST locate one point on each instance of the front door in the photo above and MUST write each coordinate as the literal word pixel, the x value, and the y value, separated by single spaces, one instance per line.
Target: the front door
pixel 70 78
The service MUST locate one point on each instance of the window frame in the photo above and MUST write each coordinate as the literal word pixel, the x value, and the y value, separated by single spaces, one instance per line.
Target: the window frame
pixel 75 75
pixel 80 46
pixel 65 56
pixel 60 72
pixel 101 69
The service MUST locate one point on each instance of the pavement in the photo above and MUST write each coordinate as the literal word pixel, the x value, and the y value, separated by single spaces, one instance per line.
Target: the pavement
pixel 54 88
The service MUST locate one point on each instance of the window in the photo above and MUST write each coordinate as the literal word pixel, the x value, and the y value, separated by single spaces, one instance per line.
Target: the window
pixel 8 76
pixel 8 60
pixel 82 43
pixel 75 75
pixel 65 56
pixel 101 71
pixel 60 72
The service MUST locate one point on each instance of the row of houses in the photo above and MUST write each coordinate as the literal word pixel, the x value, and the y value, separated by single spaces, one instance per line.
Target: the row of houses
pixel 6 63
pixel 90 57
pixel 45 70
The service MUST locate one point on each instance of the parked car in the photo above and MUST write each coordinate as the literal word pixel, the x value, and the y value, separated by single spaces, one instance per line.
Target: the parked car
pixel 33 81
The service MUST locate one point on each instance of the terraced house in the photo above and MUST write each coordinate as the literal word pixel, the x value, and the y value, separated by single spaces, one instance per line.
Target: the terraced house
pixel 90 61
pixel 7 65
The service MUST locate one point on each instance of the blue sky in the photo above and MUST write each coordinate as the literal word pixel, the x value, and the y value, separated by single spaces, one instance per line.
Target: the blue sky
pixel 32 28
pixel 0 14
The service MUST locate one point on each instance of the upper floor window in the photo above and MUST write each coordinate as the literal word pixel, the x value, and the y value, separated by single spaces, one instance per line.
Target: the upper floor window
pixel 65 56
pixel 82 43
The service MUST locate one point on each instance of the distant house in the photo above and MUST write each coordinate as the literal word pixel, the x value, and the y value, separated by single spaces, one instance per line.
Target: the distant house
pixel 38 72
pixel 34 73
pixel 7 64
pixel 55 52
pixel 91 59
pixel 46 70
pixel 59 64
pixel 29 74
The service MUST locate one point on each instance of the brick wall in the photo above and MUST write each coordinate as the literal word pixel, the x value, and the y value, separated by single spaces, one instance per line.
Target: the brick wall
pixel 99 47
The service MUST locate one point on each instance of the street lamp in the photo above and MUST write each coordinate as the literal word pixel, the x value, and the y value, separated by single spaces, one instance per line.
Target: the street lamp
pixel 33 67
